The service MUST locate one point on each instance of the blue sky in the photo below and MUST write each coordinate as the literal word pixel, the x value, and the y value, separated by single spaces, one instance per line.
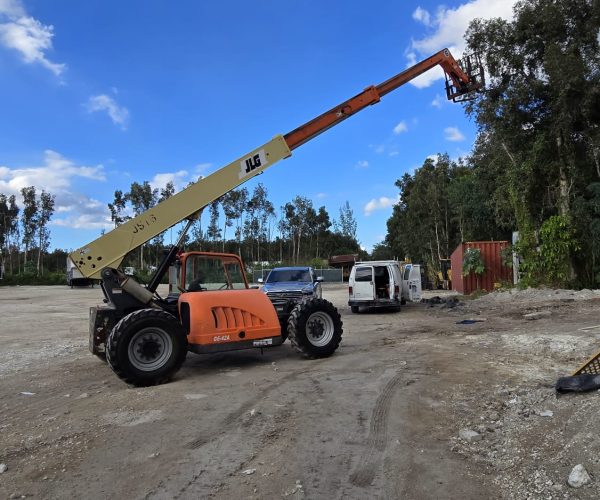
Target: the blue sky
pixel 98 94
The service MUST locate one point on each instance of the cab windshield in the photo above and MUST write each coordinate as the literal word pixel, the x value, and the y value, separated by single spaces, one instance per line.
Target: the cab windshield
pixel 204 272
pixel 283 275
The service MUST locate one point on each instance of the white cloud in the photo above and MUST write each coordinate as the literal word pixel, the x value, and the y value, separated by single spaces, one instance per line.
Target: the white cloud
pixel 401 127
pixel 438 101
pixel 449 27
pixel 179 179
pixel 321 196
pixel 362 164
pixel 379 204
pixel 453 134
pixel 422 16
pixel 56 177
pixel 83 213
pixel 12 8
pixel 203 168
pixel 28 36
pixel 118 114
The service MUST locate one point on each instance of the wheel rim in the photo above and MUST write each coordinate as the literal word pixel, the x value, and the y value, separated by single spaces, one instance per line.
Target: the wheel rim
pixel 150 349
pixel 319 329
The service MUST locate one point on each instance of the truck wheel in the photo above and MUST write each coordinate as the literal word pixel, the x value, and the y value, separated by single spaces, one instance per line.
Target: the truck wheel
pixel 354 309
pixel 315 328
pixel 147 347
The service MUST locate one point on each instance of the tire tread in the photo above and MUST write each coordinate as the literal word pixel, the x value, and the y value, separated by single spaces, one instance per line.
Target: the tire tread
pixel 297 321
pixel 112 345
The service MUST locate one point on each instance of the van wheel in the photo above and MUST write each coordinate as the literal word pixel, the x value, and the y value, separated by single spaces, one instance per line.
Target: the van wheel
pixel 315 328
pixel 147 347
pixel 354 309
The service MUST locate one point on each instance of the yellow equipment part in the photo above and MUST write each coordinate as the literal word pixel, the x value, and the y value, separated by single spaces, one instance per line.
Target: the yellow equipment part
pixel 110 249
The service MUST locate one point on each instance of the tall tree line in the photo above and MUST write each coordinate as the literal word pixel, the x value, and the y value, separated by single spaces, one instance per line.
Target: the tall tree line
pixel 24 232
pixel 246 222
pixel 535 166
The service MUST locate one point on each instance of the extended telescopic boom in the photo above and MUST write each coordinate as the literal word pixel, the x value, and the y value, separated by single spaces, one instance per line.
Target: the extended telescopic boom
pixel 462 80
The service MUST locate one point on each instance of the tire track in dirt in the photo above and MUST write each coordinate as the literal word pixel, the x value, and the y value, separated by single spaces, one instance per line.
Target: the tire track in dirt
pixel 367 466
pixel 243 408
pixel 264 392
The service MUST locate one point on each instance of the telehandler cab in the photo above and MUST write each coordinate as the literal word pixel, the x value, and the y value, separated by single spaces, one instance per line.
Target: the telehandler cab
pixel 145 337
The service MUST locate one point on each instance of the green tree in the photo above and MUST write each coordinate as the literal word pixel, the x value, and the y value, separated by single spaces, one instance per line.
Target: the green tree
pixel 118 207
pixel 142 197
pixel 29 219
pixel 347 224
pixel 228 201
pixel 158 241
pixel 424 225
pixel 322 225
pixel 213 232
pixel 539 117
pixel 382 251
pixel 473 263
pixel 46 209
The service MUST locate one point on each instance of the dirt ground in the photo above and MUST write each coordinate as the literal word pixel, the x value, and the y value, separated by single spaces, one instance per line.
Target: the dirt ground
pixel 388 416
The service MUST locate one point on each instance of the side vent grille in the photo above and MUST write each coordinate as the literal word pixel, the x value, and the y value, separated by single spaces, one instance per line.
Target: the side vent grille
pixel 227 318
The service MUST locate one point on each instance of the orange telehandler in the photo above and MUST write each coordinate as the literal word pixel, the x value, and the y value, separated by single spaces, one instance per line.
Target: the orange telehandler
pixel 145 337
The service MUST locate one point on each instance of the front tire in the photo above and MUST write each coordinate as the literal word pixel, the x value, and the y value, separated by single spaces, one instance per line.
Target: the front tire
pixel 147 347
pixel 315 328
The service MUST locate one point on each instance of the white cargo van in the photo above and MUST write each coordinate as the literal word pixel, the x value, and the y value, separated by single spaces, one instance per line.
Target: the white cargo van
pixel 385 283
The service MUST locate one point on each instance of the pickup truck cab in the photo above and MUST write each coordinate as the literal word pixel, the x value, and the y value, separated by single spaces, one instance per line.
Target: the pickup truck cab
pixel 286 286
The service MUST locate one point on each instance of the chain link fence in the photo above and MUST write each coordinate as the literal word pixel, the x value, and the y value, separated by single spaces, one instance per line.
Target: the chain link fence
pixel 330 275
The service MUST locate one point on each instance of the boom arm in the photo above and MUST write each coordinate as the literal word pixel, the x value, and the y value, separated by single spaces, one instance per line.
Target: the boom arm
pixel 110 249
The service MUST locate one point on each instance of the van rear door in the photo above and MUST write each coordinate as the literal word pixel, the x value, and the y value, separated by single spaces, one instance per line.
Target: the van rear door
pixel 364 285
pixel 411 282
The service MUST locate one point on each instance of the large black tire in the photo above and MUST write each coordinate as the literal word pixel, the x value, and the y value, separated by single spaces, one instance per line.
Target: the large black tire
pixel 147 347
pixel 354 309
pixel 315 328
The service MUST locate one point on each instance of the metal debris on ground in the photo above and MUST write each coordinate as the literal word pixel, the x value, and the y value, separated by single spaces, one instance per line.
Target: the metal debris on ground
pixel 449 302
pixel 578 383
pixel 469 321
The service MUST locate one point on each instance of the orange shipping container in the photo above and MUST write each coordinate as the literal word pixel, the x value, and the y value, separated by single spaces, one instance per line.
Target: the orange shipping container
pixel 494 272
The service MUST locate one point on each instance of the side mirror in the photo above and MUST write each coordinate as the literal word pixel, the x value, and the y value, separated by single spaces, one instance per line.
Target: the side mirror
pixel 254 287
pixel 320 278
pixel 260 280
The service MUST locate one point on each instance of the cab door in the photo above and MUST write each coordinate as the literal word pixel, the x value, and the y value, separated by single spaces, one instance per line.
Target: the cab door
pixel 364 283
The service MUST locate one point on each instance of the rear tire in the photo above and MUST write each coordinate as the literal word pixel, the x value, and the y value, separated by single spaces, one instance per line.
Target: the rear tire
pixel 354 309
pixel 315 328
pixel 147 347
